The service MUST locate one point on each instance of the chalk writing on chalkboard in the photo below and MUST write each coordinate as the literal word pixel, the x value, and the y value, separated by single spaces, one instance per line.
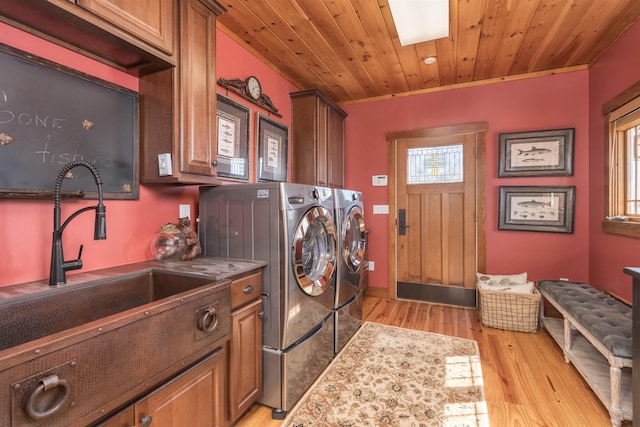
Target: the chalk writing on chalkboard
pixel 51 115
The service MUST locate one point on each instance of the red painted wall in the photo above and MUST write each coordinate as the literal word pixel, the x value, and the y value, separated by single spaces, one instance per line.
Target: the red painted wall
pixel 565 100
pixel 551 102
pixel 609 253
pixel 26 225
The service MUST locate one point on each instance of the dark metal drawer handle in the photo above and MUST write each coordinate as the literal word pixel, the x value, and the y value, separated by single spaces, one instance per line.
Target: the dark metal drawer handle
pixel 208 320
pixel 49 383
pixel 247 289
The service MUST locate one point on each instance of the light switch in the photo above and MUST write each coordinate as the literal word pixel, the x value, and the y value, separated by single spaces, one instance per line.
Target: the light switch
pixel 380 209
pixel 164 164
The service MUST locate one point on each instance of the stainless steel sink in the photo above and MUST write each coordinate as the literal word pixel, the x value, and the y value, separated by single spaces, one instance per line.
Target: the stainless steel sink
pixel 28 319
pixel 75 353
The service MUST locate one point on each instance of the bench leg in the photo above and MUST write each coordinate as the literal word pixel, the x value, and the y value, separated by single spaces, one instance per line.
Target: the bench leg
pixel 567 340
pixel 615 377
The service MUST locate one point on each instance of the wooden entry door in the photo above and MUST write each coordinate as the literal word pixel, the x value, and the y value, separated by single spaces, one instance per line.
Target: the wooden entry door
pixel 436 229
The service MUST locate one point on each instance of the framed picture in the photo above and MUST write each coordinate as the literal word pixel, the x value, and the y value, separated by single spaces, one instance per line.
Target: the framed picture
pixel 272 149
pixel 549 209
pixel 538 153
pixel 233 126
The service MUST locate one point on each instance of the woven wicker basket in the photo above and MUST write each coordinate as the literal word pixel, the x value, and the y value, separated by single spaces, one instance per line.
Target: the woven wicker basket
pixel 509 310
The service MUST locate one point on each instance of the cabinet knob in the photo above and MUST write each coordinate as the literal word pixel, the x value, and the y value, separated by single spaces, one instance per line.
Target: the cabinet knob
pixel 214 163
pixel 146 421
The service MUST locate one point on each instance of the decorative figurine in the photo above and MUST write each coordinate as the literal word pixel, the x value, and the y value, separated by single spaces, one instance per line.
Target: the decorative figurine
pixel 191 238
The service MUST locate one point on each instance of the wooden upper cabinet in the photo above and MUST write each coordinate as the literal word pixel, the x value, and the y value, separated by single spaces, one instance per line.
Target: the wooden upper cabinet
pixel 148 20
pixel 135 36
pixel 335 150
pixel 317 131
pixel 178 106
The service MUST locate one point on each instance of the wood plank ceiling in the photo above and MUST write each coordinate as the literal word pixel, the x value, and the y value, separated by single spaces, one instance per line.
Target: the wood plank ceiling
pixel 349 49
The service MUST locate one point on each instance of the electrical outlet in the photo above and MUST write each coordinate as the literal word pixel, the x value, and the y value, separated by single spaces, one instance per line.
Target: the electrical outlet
pixel 371 266
pixel 185 211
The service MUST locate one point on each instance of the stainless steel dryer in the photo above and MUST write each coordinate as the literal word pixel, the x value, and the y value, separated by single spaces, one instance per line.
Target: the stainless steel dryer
pixel 349 215
pixel 291 227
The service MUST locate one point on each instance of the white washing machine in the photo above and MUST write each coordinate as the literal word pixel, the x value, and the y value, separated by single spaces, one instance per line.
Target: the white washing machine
pixel 291 227
pixel 349 216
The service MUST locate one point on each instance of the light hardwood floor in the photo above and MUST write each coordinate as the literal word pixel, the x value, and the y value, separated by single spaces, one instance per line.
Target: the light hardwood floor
pixel 526 381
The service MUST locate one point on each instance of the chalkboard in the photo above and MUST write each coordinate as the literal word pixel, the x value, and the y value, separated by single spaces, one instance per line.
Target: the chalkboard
pixel 51 115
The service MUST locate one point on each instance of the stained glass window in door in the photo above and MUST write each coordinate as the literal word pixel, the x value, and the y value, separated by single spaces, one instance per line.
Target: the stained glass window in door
pixel 432 165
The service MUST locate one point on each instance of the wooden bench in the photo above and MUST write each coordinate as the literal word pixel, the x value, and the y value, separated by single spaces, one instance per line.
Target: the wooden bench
pixel 595 335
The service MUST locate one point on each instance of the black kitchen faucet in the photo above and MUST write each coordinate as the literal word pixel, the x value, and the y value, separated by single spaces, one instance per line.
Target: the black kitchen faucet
pixel 59 266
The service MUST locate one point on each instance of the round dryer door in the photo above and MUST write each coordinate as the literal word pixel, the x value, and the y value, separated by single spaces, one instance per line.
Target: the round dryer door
pixel 314 251
pixel 354 240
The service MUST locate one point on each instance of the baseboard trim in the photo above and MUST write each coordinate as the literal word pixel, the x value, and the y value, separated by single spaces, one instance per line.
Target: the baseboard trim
pixel 377 292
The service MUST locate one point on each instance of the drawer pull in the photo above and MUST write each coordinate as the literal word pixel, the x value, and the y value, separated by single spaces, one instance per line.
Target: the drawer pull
pixel 247 289
pixel 208 320
pixel 51 382
pixel 146 421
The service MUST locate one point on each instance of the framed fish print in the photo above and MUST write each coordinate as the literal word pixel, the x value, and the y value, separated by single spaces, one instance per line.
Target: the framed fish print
pixel 537 153
pixel 233 125
pixel 548 209
pixel 272 156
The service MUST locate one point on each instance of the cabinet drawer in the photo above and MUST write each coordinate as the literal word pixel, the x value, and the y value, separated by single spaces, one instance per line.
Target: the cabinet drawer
pixel 246 289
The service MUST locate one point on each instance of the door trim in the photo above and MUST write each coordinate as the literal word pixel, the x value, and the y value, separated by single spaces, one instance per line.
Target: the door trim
pixel 480 130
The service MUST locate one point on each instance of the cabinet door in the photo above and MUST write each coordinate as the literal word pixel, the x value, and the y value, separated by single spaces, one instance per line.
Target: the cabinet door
pixel 304 125
pixel 195 398
pixel 148 20
pixel 322 141
pixel 335 149
pixel 245 358
pixel 124 418
pixel 198 88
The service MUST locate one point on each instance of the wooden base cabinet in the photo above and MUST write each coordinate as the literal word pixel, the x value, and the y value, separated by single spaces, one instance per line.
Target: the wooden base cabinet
pixel 317 132
pixel 195 398
pixel 178 106
pixel 245 354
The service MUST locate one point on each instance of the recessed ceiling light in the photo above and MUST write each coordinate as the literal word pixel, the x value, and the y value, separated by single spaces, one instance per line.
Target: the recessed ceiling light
pixel 429 60
pixel 420 20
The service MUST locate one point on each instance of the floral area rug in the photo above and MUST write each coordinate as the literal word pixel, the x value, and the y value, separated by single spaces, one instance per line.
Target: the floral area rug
pixel 390 376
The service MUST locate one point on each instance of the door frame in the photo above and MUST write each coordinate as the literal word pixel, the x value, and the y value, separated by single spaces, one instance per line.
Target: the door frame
pixel 479 129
